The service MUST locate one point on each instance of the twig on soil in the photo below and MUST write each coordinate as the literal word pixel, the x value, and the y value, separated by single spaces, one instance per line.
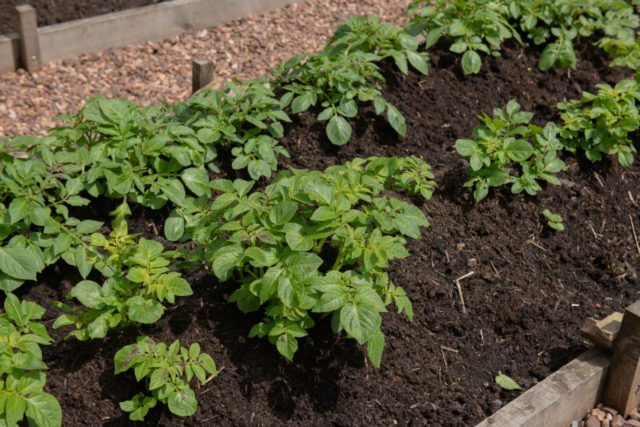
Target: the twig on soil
pixel 495 270
pixel 453 350
pixel 464 307
pixel 635 236
pixel 532 243
pixel 444 359
pixel 592 230
pixel 595 174
pixel 631 198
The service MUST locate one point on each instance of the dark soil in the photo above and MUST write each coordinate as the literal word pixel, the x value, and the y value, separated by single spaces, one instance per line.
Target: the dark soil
pixel 55 11
pixel 530 292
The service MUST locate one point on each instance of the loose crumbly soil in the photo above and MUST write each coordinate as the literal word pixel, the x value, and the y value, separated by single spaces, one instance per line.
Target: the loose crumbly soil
pixel 530 290
pixel 51 12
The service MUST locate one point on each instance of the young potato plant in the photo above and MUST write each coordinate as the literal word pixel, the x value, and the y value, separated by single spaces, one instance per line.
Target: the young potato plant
pixel 167 372
pixel 36 229
pixel 625 49
pixel 138 282
pixel 22 379
pixel 471 26
pixel 602 123
pixel 368 34
pixel 508 140
pixel 247 117
pixel 315 242
pixel 119 149
pixel 553 220
pixel 336 82
pixel 558 22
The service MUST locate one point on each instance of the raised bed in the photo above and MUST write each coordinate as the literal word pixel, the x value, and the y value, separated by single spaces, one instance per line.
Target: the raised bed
pixel 519 312
pixel 132 26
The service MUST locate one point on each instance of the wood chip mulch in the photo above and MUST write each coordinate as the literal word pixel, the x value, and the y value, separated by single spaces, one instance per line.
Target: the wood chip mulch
pixel 161 71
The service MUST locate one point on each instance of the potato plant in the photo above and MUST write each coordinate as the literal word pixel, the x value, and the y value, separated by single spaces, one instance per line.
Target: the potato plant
pixel 602 123
pixel 336 81
pixel 508 149
pixel 167 372
pixel 21 367
pixel 274 244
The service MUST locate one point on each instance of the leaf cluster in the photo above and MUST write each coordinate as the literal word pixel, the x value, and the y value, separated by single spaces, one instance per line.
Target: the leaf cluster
pixel 21 378
pixel 138 282
pixel 471 26
pixel 508 149
pixel 602 123
pixel 167 371
pixel 369 35
pixel 335 79
pixel 271 241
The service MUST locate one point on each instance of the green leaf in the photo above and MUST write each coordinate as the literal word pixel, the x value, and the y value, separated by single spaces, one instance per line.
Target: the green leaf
pixel 144 311
pixel 519 150
pixel 332 299
pixel 80 258
pixel 43 410
pixel 173 227
pixel 290 291
pixel 303 264
pixel 283 212
pixel 14 309
pixel 196 180
pixel 173 189
pixel 287 345
pixel 506 382
pixel 88 293
pixel 88 226
pixel 360 321
pixel 183 402
pixel 418 62
pixel 18 263
pixel 18 209
pixel 375 346
pixel 338 130
pixel 471 62
pixel 226 259
pixel 396 120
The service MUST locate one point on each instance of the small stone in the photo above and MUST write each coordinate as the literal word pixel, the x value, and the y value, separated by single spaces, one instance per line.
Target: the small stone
pixel 634 414
pixel 598 413
pixel 575 424
pixel 592 421
pixel 460 246
pixel 605 423
pixel 609 410
pixel 496 403
pixel 617 421
pixel 472 262
pixel 631 423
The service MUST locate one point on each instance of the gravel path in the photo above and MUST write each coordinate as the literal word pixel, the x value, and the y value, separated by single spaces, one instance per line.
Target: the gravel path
pixel 154 71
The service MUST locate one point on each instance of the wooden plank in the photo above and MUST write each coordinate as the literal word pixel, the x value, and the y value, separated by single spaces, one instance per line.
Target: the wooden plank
pixel 9 52
pixel 564 396
pixel 603 332
pixel 623 385
pixel 29 42
pixel 155 22
pixel 201 73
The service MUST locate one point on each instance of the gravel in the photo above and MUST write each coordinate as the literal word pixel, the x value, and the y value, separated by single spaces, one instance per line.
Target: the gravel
pixel 161 71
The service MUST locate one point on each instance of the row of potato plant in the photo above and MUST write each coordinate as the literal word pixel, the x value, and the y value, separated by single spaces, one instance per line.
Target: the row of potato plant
pixel 270 241
pixel 482 26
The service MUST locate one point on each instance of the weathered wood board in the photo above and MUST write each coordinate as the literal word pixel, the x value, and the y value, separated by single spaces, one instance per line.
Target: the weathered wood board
pixel 134 26
pixel 564 396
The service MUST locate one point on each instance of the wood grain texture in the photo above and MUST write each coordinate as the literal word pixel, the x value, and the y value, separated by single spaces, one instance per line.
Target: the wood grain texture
pixel 603 332
pixel 566 395
pixel 201 73
pixel 622 391
pixel 28 38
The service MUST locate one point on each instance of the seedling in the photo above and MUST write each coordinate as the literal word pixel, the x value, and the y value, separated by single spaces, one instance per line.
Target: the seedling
pixel 167 372
pixel 553 220
pixel 506 382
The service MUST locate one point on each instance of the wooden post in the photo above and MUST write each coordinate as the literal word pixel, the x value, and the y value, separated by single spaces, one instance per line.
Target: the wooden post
pixel 201 74
pixel 622 391
pixel 29 42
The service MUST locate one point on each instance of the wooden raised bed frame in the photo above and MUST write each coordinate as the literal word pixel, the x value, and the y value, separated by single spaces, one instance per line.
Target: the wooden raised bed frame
pixel 116 29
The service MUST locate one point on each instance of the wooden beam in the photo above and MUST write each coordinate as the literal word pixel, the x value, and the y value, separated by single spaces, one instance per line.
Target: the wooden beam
pixel 623 385
pixel 201 74
pixel 564 396
pixel 9 52
pixel 603 332
pixel 154 22
pixel 29 41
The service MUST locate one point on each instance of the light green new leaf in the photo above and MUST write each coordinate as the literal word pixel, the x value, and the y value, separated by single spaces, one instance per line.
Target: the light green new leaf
pixel 225 260
pixel 144 311
pixel 88 293
pixel 287 345
pixel 471 62
pixel 43 410
pixel 375 346
pixel 338 130
pixel 173 227
pixel 506 382
pixel 183 402
pixel 88 226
